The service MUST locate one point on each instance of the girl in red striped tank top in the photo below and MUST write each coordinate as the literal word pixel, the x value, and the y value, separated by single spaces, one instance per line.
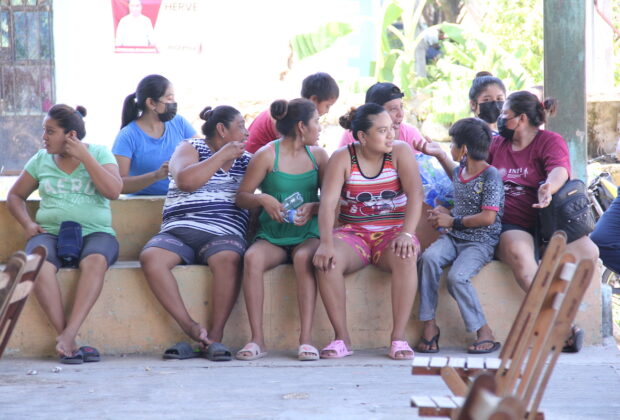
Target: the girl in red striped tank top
pixel 377 184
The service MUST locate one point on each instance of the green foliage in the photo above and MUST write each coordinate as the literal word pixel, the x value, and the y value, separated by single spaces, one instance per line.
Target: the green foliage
pixel 396 61
pixel 305 45
pixel 508 43
pixel 516 26
pixel 466 51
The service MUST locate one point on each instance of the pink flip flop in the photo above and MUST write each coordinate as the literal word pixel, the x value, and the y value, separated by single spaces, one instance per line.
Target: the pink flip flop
pixel 401 346
pixel 338 347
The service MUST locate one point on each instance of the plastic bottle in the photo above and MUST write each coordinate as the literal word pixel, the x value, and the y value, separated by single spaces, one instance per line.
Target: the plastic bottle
pixel 290 205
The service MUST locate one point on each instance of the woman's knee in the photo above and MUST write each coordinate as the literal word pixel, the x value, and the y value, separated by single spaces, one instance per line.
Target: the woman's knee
pixel 584 248
pixel 228 259
pixel 156 259
pixel 150 258
pixel 253 260
pixel 93 263
pixel 302 257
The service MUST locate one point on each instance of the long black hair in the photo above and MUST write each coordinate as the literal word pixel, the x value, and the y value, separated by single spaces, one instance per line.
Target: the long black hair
pixel 153 86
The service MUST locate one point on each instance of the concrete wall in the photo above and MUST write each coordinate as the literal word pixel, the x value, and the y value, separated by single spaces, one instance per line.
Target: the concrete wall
pixel 127 318
pixel 239 56
pixel 603 126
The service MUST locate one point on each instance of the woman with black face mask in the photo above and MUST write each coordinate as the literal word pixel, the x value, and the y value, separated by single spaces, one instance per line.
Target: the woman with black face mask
pixel 534 164
pixel 486 98
pixel 150 132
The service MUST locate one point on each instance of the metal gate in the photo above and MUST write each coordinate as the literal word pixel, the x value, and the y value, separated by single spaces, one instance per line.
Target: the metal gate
pixel 27 88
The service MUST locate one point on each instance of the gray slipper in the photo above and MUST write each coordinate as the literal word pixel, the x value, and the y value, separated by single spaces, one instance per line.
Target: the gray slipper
pixel 218 352
pixel 181 351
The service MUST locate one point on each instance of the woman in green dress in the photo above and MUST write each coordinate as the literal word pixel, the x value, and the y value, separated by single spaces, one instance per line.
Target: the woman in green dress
pixel 289 167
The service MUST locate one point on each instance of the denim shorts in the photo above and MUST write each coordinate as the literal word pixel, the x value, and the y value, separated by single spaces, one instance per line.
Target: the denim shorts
pixel 95 243
pixel 195 246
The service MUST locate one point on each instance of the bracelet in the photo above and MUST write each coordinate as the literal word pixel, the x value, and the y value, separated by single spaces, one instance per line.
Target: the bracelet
pixel 408 234
pixel 457 223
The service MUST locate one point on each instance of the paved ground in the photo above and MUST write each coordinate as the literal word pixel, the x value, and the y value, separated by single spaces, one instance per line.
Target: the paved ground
pixel 367 385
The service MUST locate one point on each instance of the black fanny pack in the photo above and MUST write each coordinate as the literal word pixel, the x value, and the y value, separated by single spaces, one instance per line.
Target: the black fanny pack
pixel 569 211
pixel 69 244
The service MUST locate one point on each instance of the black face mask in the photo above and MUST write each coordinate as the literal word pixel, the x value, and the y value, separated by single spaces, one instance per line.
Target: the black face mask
pixel 489 111
pixel 169 113
pixel 504 131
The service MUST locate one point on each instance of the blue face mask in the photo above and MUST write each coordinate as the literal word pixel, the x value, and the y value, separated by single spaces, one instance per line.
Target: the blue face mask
pixel 504 131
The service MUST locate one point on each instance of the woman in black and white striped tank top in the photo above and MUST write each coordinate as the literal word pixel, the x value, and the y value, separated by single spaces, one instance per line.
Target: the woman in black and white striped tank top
pixel 202 224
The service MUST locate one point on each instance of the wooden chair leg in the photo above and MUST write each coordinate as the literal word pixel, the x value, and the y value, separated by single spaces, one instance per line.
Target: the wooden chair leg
pixel 454 381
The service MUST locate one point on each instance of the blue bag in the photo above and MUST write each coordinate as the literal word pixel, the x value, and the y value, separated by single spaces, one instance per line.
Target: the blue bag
pixel 438 188
pixel 69 244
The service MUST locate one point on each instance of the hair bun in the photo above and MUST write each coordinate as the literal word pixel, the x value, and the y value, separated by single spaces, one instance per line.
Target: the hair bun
pixel 81 110
pixel 345 120
pixel 483 74
pixel 279 109
pixel 206 113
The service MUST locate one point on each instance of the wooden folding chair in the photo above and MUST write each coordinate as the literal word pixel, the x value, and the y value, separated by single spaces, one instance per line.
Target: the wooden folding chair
pixel 525 376
pixel 24 284
pixel 482 402
pixel 9 279
pixel 458 371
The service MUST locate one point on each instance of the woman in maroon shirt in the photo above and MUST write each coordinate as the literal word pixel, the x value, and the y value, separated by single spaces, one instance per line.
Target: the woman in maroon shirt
pixel 534 164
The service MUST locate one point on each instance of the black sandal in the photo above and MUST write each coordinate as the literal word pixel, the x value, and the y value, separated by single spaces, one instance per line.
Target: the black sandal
pixel 433 342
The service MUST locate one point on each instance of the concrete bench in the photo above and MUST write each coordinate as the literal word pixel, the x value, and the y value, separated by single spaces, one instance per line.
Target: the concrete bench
pixel 128 319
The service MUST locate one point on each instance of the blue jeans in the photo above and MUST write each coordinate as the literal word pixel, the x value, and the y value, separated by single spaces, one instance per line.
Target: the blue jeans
pixel 606 236
pixel 467 258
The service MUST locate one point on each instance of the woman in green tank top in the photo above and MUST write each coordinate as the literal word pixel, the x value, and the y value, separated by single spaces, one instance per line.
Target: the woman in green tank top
pixel 289 167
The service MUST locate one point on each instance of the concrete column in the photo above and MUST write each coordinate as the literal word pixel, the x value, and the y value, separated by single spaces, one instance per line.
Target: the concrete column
pixel 565 71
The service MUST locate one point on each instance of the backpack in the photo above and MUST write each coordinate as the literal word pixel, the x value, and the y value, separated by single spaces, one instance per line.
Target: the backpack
pixel 569 211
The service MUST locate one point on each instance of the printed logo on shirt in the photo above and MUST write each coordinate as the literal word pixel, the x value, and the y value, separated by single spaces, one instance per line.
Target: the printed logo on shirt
pixel 513 173
pixel 514 190
pixel 370 204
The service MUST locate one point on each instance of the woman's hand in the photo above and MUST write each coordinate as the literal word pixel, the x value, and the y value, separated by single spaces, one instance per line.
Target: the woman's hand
pixel 33 229
pixel 544 196
pixel 324 257
pixel 232 150
pixel 162 172
pixel 75 148
pixel 303 214
pixel 404 245
pixel 273 207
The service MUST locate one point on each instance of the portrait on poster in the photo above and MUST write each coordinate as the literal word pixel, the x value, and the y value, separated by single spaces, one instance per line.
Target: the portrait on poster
pixel 134 23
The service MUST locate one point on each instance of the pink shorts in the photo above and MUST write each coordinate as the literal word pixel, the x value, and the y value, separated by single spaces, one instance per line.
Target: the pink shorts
pixel 369 245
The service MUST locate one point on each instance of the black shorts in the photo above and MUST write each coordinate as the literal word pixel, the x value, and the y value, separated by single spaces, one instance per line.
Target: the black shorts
pixel 509 226
pixel 95 243
pixel 195 246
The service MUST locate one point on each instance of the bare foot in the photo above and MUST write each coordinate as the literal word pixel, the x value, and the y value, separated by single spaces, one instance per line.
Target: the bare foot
pixel 66 346
pixel 307 354
pixel 243 353
pixel 484 334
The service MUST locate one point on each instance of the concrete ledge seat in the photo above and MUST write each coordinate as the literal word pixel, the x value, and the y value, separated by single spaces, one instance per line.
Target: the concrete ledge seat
pixel 128 319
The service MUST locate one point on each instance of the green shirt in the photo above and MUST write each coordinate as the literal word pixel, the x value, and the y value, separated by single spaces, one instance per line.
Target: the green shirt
pixel 71 196
pixel 280 185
